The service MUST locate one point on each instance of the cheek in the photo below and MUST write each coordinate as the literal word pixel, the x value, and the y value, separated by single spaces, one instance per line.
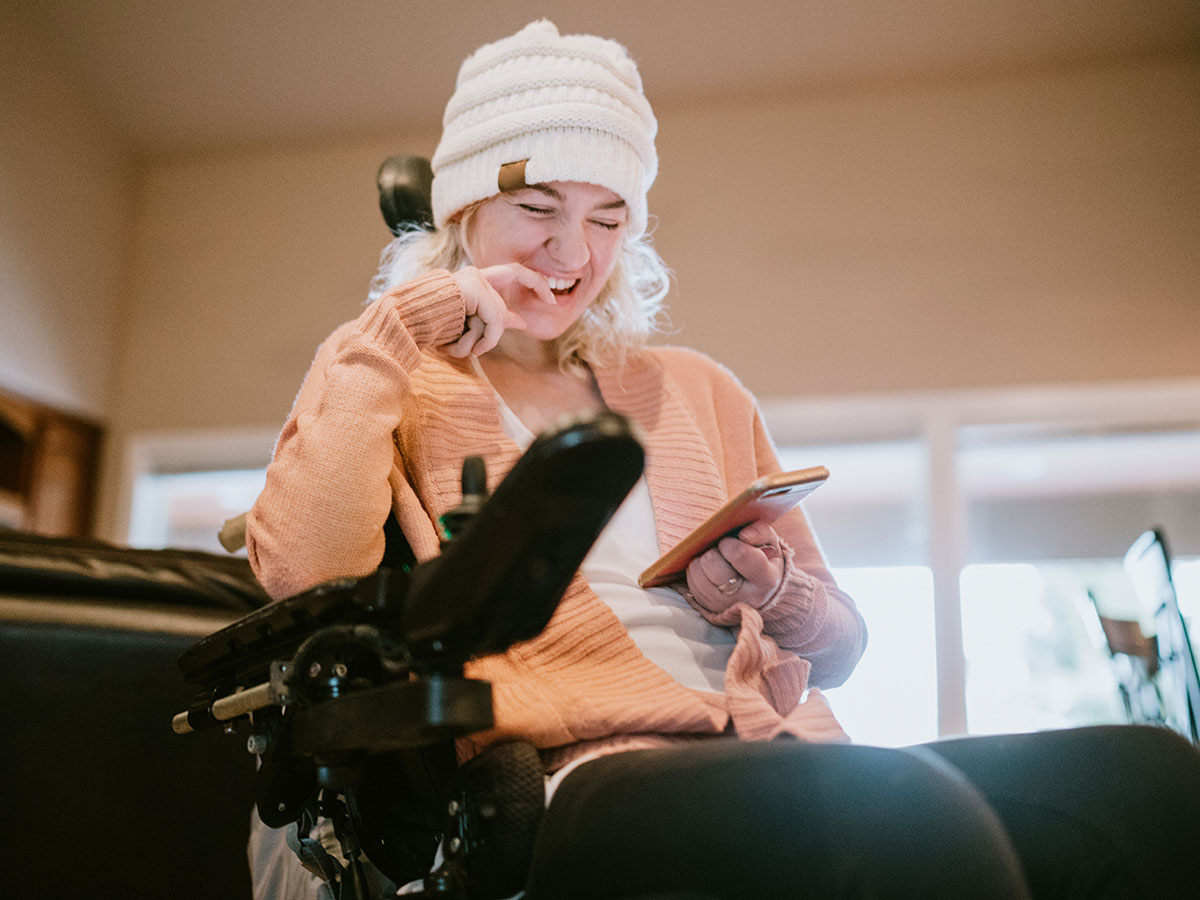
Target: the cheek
pixel 490 247
pixel 496 237
pixel 606 253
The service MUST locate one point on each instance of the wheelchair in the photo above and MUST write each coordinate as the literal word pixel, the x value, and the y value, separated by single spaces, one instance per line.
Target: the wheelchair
pixel 352 693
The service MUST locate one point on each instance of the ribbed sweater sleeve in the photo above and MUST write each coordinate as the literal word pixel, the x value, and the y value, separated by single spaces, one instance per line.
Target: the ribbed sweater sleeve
pixel 808 614
pixel 333 459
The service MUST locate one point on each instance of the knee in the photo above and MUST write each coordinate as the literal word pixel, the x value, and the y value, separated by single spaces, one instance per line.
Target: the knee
pixel 1145 741
pixel 1146 758
pixel 923 791
pixel 915 820
pixel 860 820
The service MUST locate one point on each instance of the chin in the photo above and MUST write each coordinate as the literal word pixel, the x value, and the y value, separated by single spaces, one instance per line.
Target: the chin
pixel 547 331
pixel 549 326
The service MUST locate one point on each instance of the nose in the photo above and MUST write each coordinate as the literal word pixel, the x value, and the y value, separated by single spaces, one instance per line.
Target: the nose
pixel 568 246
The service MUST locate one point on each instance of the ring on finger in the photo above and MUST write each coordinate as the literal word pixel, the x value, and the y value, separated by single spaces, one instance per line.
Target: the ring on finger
pixel 732 586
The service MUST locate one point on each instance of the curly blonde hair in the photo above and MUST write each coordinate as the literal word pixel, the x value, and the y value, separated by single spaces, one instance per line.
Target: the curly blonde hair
pixel 627 312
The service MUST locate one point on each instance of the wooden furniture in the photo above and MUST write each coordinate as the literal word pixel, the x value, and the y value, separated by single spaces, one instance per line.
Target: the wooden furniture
pixel 48 466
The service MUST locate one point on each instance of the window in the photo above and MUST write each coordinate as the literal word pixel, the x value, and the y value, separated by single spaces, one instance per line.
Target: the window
pixel 869 521
pixel 180 488
pixel 187 509
pixel 976 527
pixel 1051 512
pixel 891 699
pixel 1035 657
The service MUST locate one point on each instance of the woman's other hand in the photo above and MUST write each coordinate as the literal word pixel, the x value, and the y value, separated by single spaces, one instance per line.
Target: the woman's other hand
pixel 488 316
pixel 743 569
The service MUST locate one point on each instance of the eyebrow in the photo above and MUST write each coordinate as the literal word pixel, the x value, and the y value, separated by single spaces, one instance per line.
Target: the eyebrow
pixel 557 195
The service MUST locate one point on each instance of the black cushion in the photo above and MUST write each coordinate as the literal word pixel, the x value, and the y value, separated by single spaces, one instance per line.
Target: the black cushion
pixel 32 564
pixel 103 798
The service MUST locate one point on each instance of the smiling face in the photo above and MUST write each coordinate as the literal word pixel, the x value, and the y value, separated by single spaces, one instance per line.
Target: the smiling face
pixel 569 232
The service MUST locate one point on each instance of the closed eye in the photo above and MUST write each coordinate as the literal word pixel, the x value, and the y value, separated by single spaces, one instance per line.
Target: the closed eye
pixel 611 226
pixel 536 210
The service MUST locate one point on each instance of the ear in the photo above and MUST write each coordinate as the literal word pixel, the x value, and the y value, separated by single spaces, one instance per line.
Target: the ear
pixel 465 221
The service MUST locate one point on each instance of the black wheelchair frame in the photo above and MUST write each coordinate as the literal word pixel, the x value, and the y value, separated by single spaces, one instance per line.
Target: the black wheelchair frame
pixel 352 693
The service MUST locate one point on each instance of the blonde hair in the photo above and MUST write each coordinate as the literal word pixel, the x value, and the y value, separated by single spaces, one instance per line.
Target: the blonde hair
pixel 626 313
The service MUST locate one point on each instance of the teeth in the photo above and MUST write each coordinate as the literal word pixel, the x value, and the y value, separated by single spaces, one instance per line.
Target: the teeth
pixel 561 284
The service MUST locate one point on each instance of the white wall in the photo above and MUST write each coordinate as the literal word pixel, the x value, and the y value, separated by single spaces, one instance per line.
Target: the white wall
pixel 243 264
pixel 1020 229
pixel 1023 229
pixel 65 214
pixel 1015 230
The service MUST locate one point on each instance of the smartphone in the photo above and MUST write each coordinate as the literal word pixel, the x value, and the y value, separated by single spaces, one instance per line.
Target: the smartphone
pixel 767 499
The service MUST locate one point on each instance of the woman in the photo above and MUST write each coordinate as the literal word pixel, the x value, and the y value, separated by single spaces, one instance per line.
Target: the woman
pixel 532 300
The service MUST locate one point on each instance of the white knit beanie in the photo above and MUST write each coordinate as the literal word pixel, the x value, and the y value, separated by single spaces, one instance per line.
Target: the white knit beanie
pixel 571 105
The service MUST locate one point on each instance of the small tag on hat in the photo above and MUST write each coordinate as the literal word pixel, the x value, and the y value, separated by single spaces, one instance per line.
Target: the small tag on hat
pixel 512 176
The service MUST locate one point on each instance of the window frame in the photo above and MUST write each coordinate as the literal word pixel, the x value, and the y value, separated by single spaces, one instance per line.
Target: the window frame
pixel 935 420
pixel 186 450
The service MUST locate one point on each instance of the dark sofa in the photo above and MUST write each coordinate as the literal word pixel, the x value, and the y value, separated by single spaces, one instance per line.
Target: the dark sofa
pixel 102 798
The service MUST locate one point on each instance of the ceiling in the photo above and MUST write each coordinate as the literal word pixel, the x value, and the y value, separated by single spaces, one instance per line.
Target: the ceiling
pixel 175 75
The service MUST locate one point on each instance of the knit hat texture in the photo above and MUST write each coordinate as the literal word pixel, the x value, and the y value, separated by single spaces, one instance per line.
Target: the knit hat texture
pixel 572 105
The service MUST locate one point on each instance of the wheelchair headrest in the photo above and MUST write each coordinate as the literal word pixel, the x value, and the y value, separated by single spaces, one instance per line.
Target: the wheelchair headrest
pixel 405 183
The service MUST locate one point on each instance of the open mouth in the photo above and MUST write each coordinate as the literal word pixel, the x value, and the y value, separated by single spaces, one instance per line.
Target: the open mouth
pixel 562 287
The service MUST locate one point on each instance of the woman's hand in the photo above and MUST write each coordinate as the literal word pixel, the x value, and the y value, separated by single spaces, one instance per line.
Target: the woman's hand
pixel 488 316
pixel 743 569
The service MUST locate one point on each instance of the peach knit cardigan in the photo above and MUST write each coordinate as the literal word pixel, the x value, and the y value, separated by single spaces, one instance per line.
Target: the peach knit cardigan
pixel 383 423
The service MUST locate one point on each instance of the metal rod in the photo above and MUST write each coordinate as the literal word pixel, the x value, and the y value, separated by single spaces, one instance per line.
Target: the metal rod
pixel 237 704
